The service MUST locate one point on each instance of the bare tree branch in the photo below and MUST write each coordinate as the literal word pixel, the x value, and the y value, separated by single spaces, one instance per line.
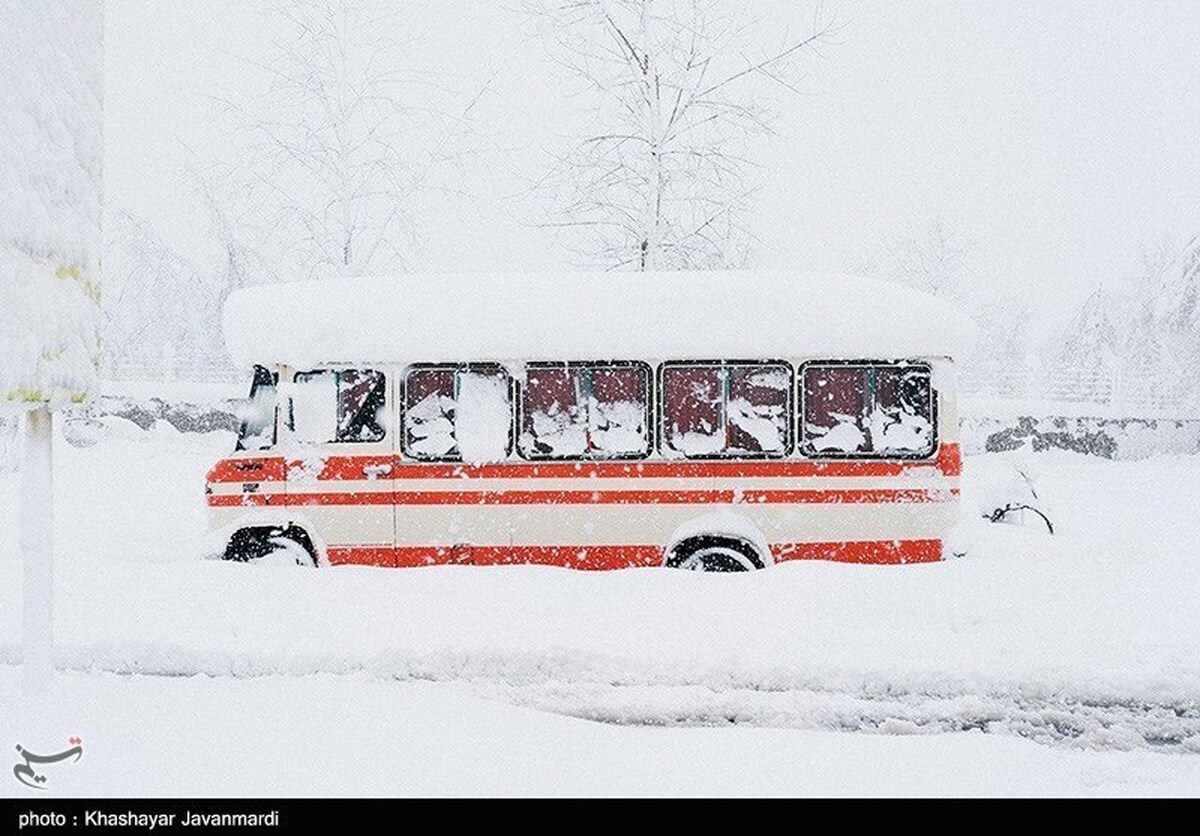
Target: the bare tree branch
pixel 661 182
pixel 344 141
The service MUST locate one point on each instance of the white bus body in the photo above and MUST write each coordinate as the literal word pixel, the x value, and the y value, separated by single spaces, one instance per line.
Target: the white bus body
pixel 713 421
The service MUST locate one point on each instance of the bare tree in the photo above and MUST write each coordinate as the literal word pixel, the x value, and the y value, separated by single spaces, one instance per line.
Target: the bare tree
pixel 164 318
pixel 1177 313
pixel 342 143
pixel 939 259
pixel 661 179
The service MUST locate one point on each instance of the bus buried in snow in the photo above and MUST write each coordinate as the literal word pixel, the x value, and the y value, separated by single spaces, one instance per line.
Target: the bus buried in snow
pixel 708 421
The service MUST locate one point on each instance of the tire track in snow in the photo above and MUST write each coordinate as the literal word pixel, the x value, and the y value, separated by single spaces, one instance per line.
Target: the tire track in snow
pixel 628 692
pixel 1068 720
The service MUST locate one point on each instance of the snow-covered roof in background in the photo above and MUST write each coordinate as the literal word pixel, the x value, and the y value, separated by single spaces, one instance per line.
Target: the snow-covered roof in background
pixel 556 316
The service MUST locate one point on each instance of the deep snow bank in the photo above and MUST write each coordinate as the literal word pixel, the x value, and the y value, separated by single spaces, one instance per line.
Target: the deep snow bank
pixel 1097 626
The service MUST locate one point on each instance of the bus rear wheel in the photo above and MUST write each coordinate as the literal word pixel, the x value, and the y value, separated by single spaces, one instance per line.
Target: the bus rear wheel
pixel 715 554
pixel 276 544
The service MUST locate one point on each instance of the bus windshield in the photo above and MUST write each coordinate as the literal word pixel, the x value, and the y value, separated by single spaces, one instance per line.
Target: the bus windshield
pixel 257 428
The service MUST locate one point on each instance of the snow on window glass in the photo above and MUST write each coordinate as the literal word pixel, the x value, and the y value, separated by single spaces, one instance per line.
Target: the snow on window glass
pixel 726 410
pixel 457 414
pixel 867 410
pixel 584 411
pixel 484 420
pixel 429 414
pixel 339 406
pixel 314 407
pixel 618 402
pixel 757 408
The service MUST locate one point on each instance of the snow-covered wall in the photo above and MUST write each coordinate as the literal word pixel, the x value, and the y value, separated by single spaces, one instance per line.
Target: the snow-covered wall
pixel 1106 437
pixel 51 153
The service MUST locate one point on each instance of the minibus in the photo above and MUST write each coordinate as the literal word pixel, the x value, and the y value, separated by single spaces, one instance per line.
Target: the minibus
pixel 712 421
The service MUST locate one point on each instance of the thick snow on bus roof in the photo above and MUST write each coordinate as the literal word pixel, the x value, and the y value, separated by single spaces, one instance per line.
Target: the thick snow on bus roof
pixel 555 316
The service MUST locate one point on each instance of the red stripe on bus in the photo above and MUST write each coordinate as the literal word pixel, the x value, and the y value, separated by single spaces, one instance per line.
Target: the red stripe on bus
pixel 890 552
pixel 661 469
pixel 949 460
pixel 246 499
pixel 362 555
pixel 248 470
pixel 356 498
pixel 646 497
pixel 348 468
pixel 862 551
pixel 666 497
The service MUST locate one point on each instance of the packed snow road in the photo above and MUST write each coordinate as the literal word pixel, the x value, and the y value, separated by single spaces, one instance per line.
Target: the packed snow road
pixel 1090 637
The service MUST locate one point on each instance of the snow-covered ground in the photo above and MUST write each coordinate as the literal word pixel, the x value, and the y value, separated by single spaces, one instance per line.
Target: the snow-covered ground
pixel 1035 664
pixel 359 735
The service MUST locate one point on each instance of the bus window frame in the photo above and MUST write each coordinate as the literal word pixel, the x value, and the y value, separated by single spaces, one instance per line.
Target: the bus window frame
pixel 402 406
pixel 789 424
pixel 569 365
pixel 935 440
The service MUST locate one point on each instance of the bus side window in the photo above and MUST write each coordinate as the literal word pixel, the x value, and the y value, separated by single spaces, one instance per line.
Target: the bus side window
pixel 833 410
pixel 867 409
pixel 257 428
pixel 457 413
pixel 553 419
pixel 429 409
pixel 361 399
pixel 693 423
pixel 339 406
pixel 757 408
pixel 618 411
pixel 726 410
pixel 585 411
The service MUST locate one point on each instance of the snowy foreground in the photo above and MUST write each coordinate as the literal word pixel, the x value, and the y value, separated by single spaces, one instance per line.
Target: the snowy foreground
pixel 1036 664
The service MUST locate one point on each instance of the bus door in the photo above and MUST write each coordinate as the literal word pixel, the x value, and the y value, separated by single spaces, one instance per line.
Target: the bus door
pixel 340 465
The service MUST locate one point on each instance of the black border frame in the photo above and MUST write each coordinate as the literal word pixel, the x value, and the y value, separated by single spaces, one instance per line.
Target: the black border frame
pixel 790 425
pixel 935 440
pixel 651 399
pixel 402 407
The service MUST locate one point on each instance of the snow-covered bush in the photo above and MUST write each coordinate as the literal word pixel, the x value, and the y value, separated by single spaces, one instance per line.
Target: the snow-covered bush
pixel 1003 492
pixel 50 164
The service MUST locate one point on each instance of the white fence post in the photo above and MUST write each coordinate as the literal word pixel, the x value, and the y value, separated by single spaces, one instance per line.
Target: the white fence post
pixel 37 548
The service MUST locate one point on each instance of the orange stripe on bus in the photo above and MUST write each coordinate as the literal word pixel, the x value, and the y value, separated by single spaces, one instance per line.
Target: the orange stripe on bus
pixel 647 497
pixel 666 497
pixel 949 460
pixel 246 499
pixel 891 552
pixel 362 555
pixel 862 551
pixel 248 470
pixel 349 468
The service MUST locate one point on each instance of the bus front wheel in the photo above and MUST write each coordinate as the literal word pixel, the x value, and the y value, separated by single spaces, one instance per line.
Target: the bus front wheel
pixel 283 544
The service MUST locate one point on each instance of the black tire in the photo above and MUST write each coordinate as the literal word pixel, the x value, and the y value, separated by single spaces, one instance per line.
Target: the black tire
pixel 250 545
pixel 715 553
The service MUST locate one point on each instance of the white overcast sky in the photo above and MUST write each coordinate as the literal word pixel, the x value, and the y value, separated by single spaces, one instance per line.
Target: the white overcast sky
pixel 1063 137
